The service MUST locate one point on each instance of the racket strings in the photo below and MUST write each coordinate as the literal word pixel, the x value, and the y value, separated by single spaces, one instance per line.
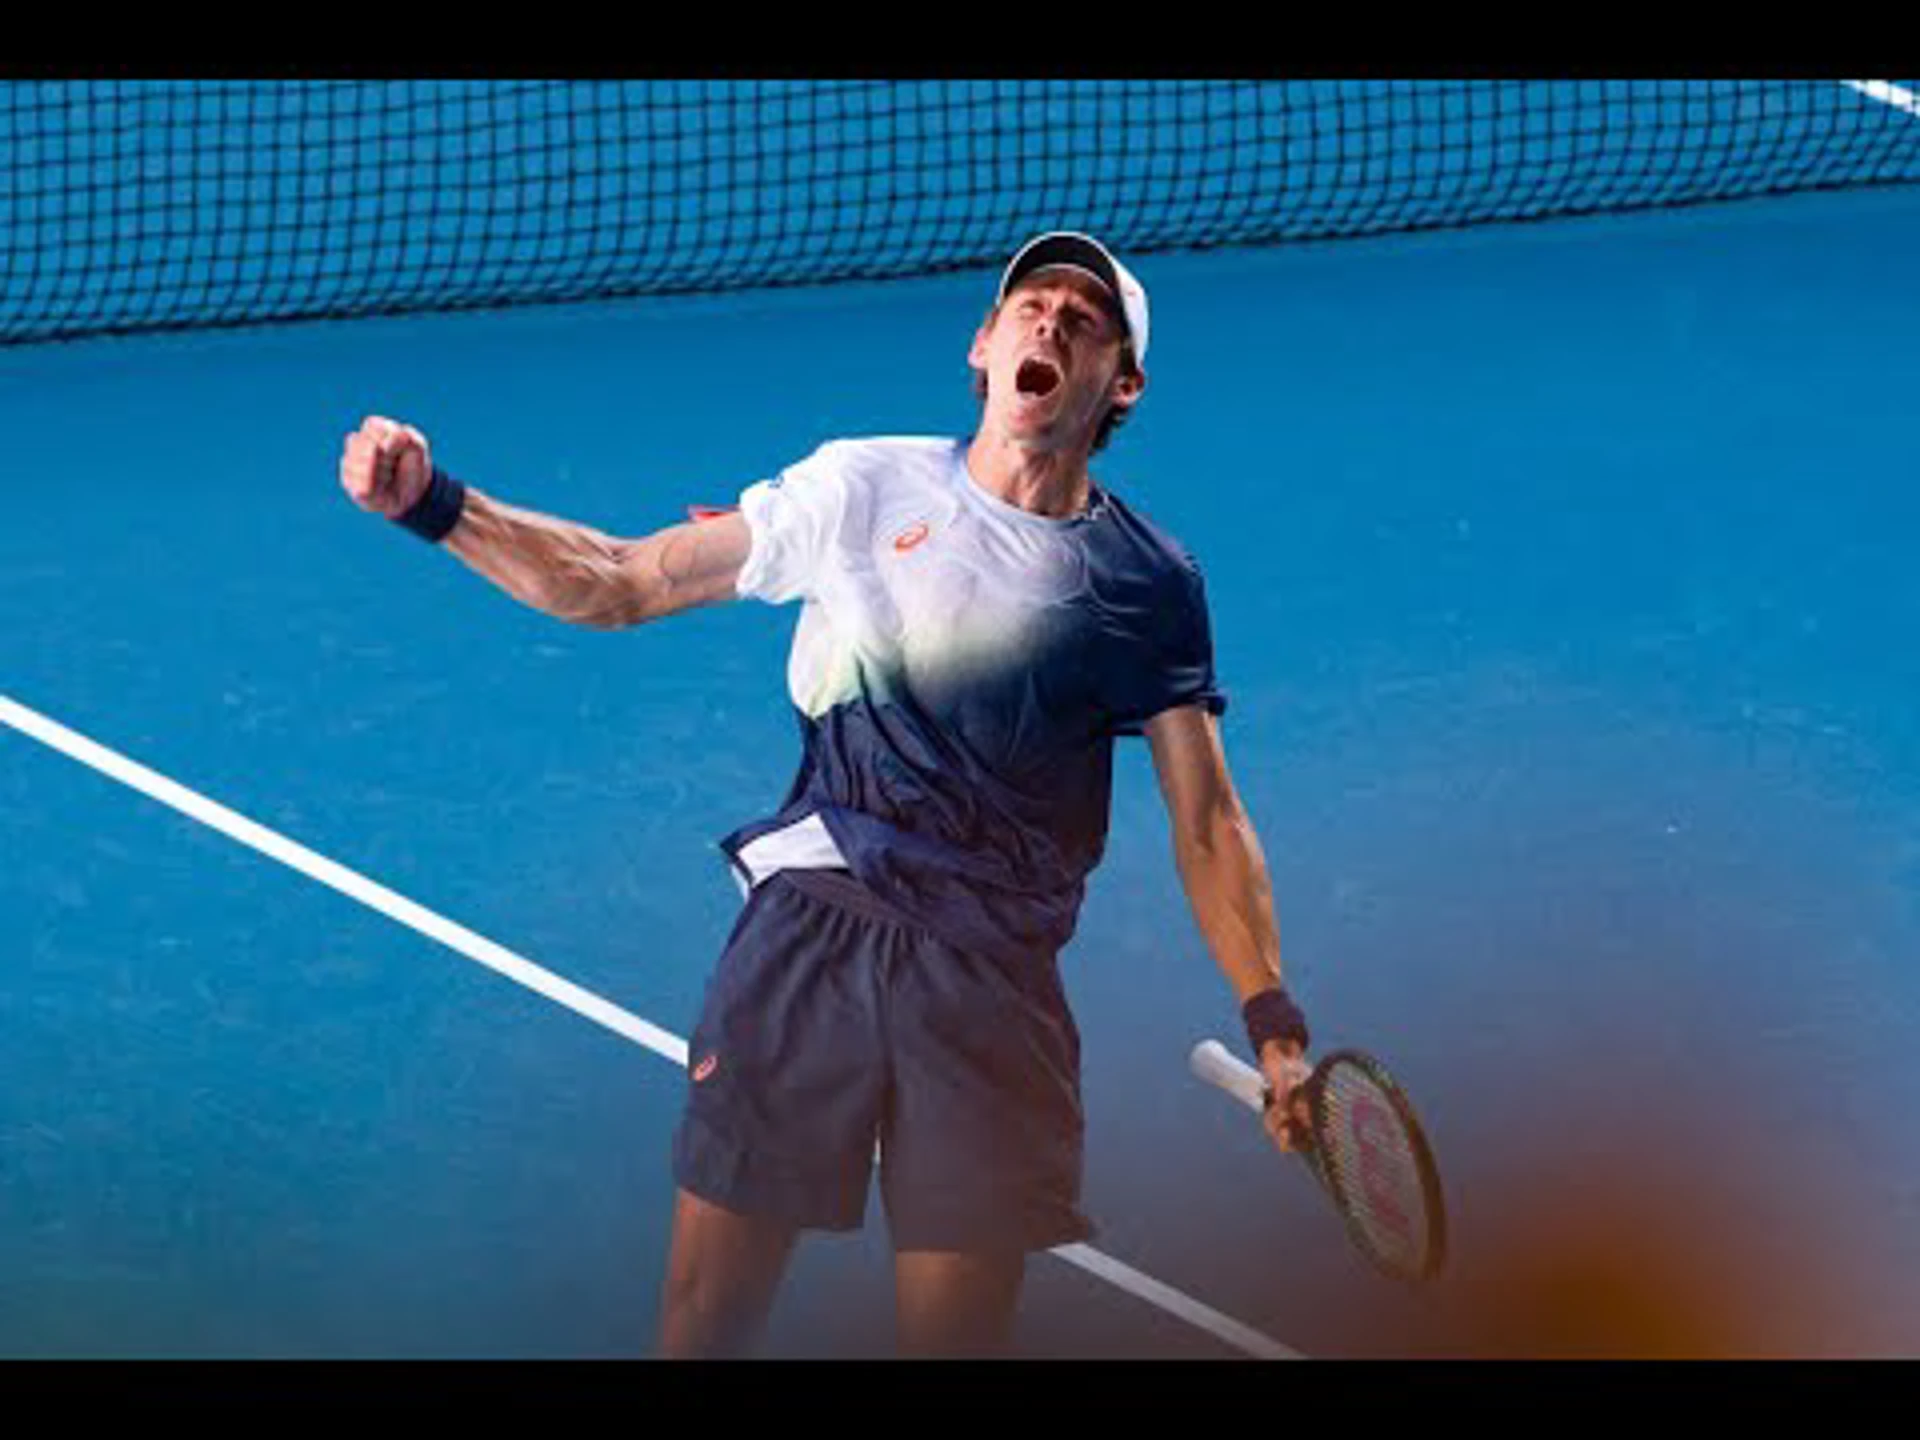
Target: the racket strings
pixel 1373 1160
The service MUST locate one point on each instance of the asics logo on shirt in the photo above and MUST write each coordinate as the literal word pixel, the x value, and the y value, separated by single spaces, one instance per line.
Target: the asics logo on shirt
pixel 911 536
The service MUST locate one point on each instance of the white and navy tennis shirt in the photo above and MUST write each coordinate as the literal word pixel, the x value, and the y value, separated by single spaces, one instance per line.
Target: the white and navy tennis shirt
pixel 960 669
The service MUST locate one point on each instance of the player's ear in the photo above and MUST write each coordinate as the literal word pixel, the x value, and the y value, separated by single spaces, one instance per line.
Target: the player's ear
pixel 977 352
pixel 1128 386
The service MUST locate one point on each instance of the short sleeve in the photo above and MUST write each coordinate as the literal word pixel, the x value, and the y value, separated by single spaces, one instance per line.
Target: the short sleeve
pixel 791 521
pixel 1171 662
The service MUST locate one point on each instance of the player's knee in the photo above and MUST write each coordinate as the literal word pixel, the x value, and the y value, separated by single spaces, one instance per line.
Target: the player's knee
pixel 952 1306
pixel 722 1272
pixel 950 1331
pixel 707 1314
pixel 698 1320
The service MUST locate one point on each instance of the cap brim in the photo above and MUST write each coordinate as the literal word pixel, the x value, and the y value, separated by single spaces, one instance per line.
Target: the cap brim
pixel 1076 252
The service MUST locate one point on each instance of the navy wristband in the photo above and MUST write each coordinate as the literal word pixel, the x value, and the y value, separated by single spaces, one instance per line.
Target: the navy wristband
pixel 435 513
pixel 1272 1015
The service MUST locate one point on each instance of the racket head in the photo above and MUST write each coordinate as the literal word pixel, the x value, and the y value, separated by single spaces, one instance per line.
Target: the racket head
pixel 1371 1153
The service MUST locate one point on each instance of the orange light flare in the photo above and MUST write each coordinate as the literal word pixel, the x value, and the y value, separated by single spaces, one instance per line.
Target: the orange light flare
pixel 1679 1226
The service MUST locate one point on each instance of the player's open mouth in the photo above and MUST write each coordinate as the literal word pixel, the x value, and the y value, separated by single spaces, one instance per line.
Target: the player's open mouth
pixel 1036 377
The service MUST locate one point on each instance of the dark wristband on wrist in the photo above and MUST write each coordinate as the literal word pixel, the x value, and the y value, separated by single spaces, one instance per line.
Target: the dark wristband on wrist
pixel 1272 1015
pixel 433 516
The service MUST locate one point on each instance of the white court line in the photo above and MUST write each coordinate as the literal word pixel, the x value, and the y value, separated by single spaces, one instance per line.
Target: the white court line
pixel 524 972
pixel 1175 1303
pixel 1887 94
pixel 339 877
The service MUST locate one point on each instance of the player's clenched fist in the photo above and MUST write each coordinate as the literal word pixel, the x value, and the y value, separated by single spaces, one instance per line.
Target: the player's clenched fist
pixel 385 466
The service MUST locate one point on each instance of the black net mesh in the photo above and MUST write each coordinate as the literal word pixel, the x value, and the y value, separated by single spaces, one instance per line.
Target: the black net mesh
pixel 129 206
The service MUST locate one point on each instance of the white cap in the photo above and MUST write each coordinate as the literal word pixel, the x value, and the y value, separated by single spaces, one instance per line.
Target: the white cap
pixel 1087 255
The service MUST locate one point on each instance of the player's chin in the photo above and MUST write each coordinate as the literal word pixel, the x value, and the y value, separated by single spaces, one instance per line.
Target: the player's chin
pixel 1043 424
pixel 1032 412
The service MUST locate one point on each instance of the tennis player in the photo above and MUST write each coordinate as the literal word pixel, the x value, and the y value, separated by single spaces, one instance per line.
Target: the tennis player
pixel 980 619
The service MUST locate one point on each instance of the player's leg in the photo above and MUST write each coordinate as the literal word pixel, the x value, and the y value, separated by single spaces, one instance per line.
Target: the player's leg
pixel 956 1304
pixel 785 1085
pixel 982 1147
pixel 722 1271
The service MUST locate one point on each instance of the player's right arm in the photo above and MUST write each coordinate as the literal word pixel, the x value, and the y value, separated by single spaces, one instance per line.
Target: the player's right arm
pixel 570 571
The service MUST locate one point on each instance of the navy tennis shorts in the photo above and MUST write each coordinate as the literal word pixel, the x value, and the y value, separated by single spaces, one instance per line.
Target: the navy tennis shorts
pixel 831 1024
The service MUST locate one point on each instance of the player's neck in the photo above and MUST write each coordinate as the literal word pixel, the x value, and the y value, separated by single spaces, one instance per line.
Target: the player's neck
pixel 1053 483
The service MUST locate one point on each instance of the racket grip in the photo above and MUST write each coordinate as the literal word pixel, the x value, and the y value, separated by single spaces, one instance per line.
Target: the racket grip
pixel 1216 1065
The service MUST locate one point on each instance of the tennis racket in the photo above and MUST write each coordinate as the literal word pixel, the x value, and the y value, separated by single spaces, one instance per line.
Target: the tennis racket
pixel 1365 1147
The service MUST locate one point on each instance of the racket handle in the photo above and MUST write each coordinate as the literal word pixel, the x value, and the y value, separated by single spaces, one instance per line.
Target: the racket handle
pixel 1216 1065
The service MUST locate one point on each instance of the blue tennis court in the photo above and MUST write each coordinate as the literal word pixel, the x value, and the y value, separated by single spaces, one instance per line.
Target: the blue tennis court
pixel 1562 592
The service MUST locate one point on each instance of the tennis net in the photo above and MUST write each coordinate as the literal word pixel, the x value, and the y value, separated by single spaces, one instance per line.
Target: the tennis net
pixel 130 206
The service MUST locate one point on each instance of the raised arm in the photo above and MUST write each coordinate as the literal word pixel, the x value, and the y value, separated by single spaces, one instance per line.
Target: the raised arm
pixel 570 571
pixel 578 574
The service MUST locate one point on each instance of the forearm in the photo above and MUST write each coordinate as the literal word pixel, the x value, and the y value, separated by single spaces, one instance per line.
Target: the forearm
pixel 1227 884
pixel 1225 875
pixel 564 569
